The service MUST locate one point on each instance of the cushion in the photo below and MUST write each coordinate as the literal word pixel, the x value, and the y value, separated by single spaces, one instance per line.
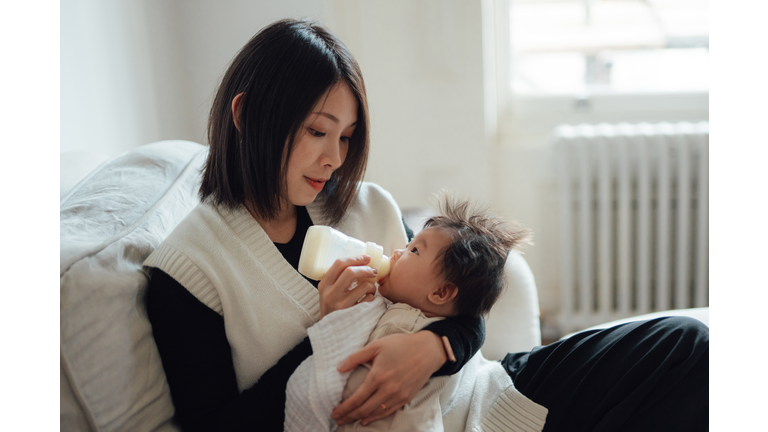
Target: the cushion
pixel 513 325
pixel 111 374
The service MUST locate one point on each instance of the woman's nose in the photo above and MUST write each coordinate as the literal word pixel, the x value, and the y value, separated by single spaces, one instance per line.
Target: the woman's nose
pixel 332 156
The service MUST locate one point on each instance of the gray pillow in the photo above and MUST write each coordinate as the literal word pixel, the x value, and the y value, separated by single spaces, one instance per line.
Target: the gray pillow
pixel 111 374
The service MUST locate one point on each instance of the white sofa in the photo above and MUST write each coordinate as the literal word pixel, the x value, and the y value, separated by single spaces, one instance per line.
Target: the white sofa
pixel 111 218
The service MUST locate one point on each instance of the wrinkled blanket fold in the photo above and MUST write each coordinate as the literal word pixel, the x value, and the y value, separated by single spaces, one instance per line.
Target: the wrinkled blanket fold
pixel 315 388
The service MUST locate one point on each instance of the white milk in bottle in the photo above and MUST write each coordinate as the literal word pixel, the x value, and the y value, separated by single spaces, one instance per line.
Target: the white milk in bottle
pixel 323 245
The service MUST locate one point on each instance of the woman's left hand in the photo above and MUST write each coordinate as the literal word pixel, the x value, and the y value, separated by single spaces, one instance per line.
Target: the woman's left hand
pixel 401 365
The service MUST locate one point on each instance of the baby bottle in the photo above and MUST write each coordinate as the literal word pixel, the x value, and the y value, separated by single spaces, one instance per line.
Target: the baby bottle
pixel 323 245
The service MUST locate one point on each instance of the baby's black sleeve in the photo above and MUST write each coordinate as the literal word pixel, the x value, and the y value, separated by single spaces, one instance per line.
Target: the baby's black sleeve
pixel 466 335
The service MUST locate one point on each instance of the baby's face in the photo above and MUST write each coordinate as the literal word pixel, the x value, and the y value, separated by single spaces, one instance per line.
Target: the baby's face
pixel 413 271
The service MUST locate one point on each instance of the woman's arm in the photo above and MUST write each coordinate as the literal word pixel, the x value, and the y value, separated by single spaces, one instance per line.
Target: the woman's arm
pixel 198 364
pixel 466 335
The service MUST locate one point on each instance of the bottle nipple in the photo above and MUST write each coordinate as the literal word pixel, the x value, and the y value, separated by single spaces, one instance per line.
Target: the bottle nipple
pixel 384 269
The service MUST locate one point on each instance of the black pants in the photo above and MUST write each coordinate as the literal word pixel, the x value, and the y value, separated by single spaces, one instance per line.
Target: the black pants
pixel 641 376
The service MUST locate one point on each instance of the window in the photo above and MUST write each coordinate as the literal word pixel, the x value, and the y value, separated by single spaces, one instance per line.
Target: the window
pixel 587 48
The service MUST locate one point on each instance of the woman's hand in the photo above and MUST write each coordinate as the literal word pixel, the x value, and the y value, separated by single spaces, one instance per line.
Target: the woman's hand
pixel 401 366
pixel 344 284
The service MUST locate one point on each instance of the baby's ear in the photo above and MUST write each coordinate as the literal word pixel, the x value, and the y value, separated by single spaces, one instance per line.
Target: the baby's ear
pixel 444 293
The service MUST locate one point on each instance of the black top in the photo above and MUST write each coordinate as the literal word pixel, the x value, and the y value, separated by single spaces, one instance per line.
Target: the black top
pixel 197 359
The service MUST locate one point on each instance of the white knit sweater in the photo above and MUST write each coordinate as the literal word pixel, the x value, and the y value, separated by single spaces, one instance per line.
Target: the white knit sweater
pixel 228 262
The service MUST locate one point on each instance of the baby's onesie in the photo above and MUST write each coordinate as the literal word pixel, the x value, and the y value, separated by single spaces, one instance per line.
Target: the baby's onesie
pixel 423 413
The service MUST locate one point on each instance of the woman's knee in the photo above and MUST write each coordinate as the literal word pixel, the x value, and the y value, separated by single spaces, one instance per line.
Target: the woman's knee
pixel 684 330
pixel 687 325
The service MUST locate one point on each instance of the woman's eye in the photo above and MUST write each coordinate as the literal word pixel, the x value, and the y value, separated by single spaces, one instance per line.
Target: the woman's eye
pixel 345 139
pixel 316 133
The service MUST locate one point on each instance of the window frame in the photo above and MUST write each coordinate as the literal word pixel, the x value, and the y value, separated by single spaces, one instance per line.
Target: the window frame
pixel 596 107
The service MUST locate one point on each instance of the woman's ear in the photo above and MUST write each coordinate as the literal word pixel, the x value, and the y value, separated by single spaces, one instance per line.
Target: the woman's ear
pixel 444 294
pixel 236 110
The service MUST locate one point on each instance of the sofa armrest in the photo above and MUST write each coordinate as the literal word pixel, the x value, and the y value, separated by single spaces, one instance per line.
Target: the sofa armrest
pixel 111 374
pixel 75 166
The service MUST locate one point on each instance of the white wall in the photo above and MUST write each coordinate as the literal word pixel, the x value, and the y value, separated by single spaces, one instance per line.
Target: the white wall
pixel 139 71
pixel 423 67
pixel 211 33
pixel 108 100
pixel 135 72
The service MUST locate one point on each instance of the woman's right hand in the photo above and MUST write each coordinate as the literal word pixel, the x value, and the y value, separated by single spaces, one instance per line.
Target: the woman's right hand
pixel 336 289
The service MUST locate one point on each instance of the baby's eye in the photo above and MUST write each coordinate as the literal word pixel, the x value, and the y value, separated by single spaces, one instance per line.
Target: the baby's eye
pixel 316 133
pixel 415 250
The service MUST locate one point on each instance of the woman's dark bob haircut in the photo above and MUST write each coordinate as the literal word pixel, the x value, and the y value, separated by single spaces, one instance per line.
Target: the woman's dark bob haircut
pixel 282 72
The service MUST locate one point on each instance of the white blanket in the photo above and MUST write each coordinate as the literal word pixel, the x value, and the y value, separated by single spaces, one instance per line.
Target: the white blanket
pixel 479 397
pixel 315 388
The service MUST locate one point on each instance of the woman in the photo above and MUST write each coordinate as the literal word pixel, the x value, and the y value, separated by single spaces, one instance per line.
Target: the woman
pixel 288 135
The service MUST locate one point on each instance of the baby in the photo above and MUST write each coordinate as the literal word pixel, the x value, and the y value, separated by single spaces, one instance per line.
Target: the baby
pixel 453 267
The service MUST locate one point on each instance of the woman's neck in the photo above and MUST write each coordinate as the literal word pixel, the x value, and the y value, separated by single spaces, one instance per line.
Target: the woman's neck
pixel 280 229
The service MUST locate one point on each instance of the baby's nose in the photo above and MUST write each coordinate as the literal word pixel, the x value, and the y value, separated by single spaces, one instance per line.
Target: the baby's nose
pixel 397 253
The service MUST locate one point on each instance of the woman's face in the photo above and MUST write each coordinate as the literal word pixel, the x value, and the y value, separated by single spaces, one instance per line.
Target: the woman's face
pixel 321 145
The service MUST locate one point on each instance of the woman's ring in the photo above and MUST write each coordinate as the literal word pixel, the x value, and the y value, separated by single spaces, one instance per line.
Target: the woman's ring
pixel 353 286
pixel 384 407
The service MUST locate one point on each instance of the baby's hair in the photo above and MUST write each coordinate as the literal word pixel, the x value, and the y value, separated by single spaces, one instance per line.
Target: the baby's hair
pixel 475 259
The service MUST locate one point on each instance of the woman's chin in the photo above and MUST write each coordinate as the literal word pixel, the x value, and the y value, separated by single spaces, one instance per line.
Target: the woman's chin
pixel 305 199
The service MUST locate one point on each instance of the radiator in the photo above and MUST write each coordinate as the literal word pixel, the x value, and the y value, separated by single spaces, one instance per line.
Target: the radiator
pixel 633 205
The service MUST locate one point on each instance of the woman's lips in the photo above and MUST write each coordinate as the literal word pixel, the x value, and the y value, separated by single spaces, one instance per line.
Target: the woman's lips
pixel 315 183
